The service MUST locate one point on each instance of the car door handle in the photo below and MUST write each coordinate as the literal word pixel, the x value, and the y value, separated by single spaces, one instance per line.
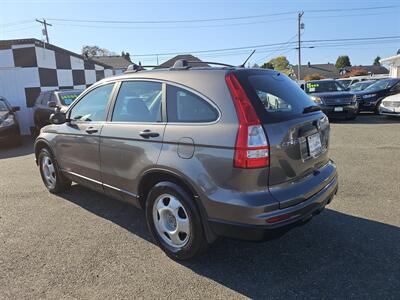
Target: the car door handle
pixel 147 133
pixel 91 130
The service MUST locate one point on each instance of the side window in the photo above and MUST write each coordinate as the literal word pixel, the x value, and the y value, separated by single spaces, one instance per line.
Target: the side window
pixel 39 99
pixel 92 107
pixel 184 106
pixel 396 88
pixel 138 101
pixel 46 98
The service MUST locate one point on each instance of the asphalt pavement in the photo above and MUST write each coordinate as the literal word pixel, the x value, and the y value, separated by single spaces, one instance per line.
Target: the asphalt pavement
pixel 84 245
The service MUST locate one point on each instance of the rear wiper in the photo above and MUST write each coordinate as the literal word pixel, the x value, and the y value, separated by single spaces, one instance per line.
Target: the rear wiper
pixel 311 108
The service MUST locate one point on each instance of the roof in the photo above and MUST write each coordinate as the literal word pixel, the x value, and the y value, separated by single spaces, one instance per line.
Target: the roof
pixel 370 69
pixel 170 63
pixel 326 70
pixel 392 60
pixel 116 61
pixel 5 44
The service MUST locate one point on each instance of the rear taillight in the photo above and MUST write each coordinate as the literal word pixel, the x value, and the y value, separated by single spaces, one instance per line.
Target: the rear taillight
pixel 251 149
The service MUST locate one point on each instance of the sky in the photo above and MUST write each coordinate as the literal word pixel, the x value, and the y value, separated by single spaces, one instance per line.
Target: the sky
pixel 145 28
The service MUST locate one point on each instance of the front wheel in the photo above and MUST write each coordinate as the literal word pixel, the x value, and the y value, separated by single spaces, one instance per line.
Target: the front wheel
pixel 52 178
pixel 174 221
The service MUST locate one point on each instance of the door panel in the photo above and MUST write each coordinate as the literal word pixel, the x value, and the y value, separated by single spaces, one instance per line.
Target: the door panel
pixel 77 146
pixel 77 143
pixel 132 139
pixel 125 154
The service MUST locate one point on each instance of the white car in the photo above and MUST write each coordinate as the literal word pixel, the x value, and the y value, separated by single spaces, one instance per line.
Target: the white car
pixel 390 106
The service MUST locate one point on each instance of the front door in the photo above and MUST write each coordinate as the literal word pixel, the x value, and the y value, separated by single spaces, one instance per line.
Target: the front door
pixel 77 142
pixel 132 138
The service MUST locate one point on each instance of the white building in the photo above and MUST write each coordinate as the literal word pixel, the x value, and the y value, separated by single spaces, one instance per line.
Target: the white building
pixel 394 65
pixel 29 66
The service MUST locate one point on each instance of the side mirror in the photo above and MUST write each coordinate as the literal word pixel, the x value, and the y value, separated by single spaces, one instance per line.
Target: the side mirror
pixel 15 108
pixel 52 104
pixel 58 118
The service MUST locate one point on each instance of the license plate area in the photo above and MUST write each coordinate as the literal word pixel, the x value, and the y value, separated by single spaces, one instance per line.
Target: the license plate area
pixel 338 108
pixel 314 144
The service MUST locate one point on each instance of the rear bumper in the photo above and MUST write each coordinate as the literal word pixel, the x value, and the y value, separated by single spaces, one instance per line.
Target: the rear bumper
pixel 264 217
pixel 296 215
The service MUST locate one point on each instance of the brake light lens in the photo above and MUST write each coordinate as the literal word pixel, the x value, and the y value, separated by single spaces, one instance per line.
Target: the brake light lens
pixel 251 149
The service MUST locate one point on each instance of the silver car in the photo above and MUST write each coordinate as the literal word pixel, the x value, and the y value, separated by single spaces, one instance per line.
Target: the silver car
pixel 206 152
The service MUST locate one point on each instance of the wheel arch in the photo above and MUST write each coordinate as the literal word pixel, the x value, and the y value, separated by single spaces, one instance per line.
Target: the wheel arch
pixel 39 145
pixel 154 176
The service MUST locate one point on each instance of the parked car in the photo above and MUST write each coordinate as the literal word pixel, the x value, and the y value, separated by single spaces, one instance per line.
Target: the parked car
pixel 333 98
pixel 47 102
pixel 371 97
pixel 9 126
pixel 361 85
pixel 390 106
pixel 206 152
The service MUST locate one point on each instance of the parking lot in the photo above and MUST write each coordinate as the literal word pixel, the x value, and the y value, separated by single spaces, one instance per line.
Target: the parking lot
pixel 84 245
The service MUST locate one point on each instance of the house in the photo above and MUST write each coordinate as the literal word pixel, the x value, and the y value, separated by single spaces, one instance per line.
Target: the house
pixel 394 64
pixel 170 63
pixel 119 64
pixel 371 70
pixel 29 66
pixel 326 70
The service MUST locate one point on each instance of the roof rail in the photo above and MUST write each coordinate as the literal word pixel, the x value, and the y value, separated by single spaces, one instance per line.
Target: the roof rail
pixel 183 64
pixel 133 68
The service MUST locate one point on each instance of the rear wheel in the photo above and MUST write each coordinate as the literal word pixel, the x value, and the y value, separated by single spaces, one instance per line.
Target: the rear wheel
pixel 174 221
pixel 52 178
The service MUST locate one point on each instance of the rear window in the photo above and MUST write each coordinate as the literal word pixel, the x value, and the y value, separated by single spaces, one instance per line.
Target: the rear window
pixel 66 98
pixel 277 95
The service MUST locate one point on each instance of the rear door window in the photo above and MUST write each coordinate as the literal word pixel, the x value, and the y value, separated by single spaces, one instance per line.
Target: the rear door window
pixel 274 96
pixel 187 107
pixel 138 101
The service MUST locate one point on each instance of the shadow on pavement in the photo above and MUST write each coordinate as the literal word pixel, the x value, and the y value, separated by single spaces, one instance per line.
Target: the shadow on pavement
pixel 368 118
pixel 334 256
pixel 9 151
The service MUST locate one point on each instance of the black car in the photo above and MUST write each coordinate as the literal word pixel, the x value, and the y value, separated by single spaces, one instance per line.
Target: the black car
pixel 333 98
pixel 9 126
pixel 361 85
pixel 47 102
pixel 370 99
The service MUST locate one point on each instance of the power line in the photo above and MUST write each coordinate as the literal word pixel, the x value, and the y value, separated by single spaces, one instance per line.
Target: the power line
pixel 220 19
pixel 267 45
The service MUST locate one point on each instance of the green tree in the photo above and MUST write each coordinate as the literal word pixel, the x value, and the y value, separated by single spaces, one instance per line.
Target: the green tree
pixel 91 51
pixel 376 61
pixel 279 63
pixel 342 62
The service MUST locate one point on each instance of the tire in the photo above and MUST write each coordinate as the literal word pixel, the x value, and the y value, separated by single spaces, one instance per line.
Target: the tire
pixel 376 109
pixel 52 178
pixel 171 210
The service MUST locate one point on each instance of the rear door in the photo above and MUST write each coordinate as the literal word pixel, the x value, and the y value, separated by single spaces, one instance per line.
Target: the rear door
pixel 131 139
pixel 298 135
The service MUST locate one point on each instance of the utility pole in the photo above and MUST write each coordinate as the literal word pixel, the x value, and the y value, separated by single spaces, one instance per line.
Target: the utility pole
pixel 299 27
pixel 45 24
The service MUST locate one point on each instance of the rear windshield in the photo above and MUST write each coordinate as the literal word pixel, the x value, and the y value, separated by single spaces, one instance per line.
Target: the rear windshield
pixel 66 98
pixel 323 86
pixel 277 95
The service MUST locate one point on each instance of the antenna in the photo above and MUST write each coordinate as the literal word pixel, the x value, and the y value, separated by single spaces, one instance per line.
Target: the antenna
pixel 243 64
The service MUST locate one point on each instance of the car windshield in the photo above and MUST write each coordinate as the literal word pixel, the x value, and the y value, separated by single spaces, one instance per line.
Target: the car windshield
pixel 3 106
pixel 66 98
pixel 381 85
pixel 323 86
pixel 345 83
pixel 359 86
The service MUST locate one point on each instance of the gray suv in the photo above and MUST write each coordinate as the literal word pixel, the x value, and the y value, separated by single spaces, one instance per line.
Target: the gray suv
pixel 206 152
